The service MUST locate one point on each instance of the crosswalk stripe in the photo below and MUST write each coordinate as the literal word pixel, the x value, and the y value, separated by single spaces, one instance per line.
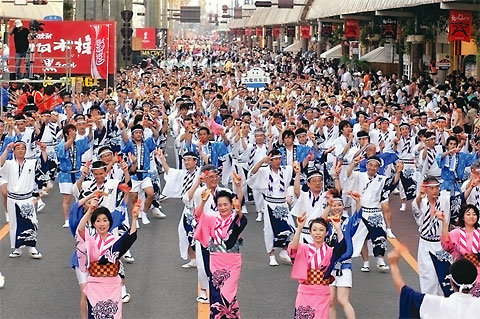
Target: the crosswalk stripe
pixel 4 231
pixel 203 308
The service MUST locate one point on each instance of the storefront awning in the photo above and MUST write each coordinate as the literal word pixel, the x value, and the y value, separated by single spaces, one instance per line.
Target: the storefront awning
pixel 294 47
pixel 274 16
pixel 285 16
pixel 30 12
pixel 238 23
pixel 335 52
pixel 326 8
pixel 379 55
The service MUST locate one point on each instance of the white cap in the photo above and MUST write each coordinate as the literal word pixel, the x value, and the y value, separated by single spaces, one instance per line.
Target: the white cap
pixel 18 23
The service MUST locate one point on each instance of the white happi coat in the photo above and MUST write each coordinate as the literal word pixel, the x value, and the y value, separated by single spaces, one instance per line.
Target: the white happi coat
pixel 20 181
pixel 430 230
pixel 314 208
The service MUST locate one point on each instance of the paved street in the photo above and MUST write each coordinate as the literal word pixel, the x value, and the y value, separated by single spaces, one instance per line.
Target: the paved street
pixel 47 288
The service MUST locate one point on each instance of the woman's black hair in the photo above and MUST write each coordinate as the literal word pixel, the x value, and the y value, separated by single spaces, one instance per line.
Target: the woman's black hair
pixel 461 215
pixel 101 211
pixel 288 133
pixel 318 220
pixel 227 194
pixel 452 138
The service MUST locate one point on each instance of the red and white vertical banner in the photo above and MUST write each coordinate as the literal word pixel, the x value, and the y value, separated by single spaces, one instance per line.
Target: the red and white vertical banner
pixel 99 34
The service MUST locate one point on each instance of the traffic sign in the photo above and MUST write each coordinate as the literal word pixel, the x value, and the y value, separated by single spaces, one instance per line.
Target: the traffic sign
pixel 255 78
pixel 444 64
pixel 285 4
pixel 190 14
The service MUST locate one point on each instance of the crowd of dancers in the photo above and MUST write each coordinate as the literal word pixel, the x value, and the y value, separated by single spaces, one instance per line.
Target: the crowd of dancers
pixel 316 155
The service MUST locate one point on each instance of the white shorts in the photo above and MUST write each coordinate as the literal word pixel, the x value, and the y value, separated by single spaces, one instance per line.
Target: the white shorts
pixel 137 186
pixel 81 276
pixel 2 181
pixel 66 188
pixel 345 280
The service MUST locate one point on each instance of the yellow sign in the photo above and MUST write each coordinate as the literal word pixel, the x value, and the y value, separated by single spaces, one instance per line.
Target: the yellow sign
pixel 154 53
pixel 86 81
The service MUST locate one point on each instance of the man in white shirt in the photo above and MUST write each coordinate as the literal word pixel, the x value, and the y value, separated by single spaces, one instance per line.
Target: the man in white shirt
pixel 461 304
pixel 19 172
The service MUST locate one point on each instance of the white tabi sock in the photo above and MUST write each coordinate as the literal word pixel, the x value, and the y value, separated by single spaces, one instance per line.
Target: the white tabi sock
pixel 366 264
pixel 380 261
pixel 124 290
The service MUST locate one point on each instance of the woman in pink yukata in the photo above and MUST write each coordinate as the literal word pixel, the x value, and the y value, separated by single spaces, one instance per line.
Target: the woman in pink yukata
pixel 221 234
pixel 99 252
pixel 464 241
pixel 312 267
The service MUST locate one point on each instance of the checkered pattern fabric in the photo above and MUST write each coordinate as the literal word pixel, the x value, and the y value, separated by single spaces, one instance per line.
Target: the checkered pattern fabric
pixel 316 277
pixel 107 270
pixel 473 258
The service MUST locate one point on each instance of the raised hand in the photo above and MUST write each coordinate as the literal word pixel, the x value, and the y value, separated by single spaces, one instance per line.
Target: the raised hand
pixel 237 179
pixel 440 215
pixel 132 158
pixel 236 204
pixel 334 219
pixel 338 168
pixel 296 167
pixel 206 194
pixel 400 166
pixel 301 219
pixel 358 159
pixel 136 209
pixel 355 195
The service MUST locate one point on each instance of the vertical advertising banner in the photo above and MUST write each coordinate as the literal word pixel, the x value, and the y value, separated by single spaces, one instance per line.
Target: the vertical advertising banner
pixel 460 26
pixel 276 32
pixel 99 33
pixel 389 28
pixel 305 31
pixel 147 36
pixel 352 29
pixel 290 31
pixel 327 30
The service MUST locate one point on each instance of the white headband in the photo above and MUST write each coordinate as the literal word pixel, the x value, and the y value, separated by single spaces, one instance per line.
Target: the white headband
pixel 314 175
pixel 461 286
pixel 105 152
pixel 432 184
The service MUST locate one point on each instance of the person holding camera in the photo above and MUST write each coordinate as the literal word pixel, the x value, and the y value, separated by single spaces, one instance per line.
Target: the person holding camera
pixel 20 34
